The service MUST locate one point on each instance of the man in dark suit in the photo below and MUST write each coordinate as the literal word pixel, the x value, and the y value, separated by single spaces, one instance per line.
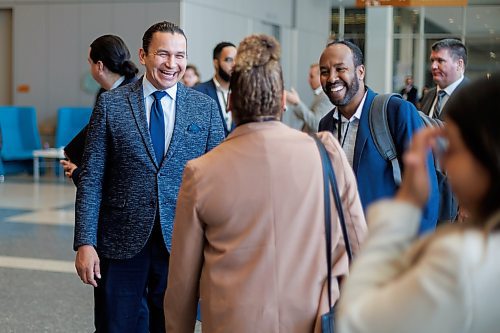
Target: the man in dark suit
pixel 342 78
pixel 139 140
pixel 218 87
pixel 409 91
pixel 448 61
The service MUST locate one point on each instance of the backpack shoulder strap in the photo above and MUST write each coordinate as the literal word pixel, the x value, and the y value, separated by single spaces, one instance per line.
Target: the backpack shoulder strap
pixel 379 128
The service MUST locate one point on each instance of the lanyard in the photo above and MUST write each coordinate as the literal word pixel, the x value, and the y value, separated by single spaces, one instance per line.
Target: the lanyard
pixel 339 130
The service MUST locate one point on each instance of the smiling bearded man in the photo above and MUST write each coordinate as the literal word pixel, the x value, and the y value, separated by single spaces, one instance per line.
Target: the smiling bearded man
pixel 342 74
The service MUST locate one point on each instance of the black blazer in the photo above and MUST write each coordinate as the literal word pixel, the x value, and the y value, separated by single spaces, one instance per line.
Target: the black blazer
pixel 411 96
pixel 428 99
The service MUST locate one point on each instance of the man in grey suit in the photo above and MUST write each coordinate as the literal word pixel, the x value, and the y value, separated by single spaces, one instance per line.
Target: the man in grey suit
pixel 448 61
pixel 320 105
pixel 139 140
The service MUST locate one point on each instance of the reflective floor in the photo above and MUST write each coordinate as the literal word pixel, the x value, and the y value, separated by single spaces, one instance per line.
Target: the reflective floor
pixel 39 288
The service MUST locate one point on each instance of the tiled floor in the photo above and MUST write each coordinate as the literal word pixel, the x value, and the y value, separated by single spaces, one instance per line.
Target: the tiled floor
pixel 39 289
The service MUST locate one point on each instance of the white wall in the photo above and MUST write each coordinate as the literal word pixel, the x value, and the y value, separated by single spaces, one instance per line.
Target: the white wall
pixel 51 42
pixel 312 32
pixel 51 39
pixel 303 32
pixel 379 48
pixel 5 56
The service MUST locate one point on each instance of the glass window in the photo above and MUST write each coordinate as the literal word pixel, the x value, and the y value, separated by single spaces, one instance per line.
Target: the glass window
pixel 482 40
pixel 406 20
pixel 444 20
pixel 354 26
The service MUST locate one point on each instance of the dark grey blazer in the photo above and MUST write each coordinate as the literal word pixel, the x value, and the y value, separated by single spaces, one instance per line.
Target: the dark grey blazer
pixel 121 184
pixel 428 98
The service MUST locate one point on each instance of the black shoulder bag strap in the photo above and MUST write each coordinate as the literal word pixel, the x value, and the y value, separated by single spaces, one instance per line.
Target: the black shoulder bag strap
pixel 330 180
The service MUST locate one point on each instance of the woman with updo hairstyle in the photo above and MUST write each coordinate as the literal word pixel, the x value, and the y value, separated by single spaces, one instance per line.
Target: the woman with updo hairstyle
pixel 110 64
pixel 249 234
pixel 448 282
pixel 111 67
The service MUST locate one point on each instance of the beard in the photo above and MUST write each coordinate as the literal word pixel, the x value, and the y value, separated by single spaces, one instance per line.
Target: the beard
pixel 225 76
pixel 351 91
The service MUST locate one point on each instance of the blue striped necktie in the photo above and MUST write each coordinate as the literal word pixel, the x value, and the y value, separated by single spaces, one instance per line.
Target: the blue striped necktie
pixel 157 126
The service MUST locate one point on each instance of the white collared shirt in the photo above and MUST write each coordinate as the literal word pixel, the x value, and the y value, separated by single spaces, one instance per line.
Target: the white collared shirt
pixel 117 82
pixel 167 104
pixel 449 90
pixel 349 130
pixel 222 96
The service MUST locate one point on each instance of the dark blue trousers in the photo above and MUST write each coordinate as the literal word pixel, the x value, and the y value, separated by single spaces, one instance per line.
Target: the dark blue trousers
pixel 129 295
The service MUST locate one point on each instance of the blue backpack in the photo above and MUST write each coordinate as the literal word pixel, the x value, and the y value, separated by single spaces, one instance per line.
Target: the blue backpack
pixel 379 128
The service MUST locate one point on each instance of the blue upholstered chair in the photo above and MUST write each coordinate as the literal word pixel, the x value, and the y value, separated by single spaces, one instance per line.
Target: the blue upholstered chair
pixel 20 137
pixel 70 121
pixel 2 171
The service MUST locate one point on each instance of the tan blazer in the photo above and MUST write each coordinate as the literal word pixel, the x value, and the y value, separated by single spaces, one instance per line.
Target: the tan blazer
pixel 249 234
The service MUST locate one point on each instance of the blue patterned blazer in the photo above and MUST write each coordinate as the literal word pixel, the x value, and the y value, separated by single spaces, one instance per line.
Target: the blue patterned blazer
pixel 121 184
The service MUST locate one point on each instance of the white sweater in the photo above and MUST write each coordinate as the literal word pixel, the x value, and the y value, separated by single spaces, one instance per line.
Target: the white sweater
pixel 450 283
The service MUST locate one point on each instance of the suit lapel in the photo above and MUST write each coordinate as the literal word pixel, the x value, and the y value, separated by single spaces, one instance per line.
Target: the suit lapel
pixel 363 130
pixel 213 93
pixel 136 100
pixel 181 121
pixel 430 99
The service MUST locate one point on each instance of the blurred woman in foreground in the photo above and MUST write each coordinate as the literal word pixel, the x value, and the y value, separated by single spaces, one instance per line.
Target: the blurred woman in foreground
pixel 450 281
pixel 249 233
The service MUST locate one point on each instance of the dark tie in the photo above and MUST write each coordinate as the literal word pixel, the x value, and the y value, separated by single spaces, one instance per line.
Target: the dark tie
pixel 439 104
pixel 157 126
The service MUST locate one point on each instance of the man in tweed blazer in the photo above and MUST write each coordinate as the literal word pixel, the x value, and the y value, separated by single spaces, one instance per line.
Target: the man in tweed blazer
pixel 126 200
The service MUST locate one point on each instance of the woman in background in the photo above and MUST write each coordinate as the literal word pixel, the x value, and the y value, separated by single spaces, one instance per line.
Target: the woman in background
pixel 111 67
pixel 191 76
pixel 450 281
pixel 249 233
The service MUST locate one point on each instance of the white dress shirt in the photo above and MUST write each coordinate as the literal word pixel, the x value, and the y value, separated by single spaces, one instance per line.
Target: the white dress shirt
pixel 167 104
pixel 222 96
pixel 117 82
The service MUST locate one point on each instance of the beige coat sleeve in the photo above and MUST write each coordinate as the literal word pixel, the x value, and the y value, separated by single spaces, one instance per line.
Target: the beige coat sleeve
pixel 186 260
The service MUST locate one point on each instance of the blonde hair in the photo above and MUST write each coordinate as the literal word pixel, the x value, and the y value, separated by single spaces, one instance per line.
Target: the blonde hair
pixel 257 80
